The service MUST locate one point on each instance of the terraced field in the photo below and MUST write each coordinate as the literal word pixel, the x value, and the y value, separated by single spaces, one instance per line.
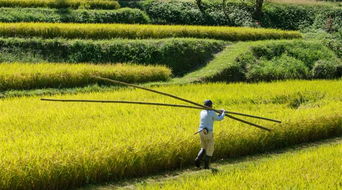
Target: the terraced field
pixel 55 49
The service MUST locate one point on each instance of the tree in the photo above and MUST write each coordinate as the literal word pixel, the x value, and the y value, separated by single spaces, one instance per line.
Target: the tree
pixel 258 9
pixel 200 6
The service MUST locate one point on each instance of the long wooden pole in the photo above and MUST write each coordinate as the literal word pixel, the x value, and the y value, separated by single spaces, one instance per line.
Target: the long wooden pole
pixel 182 99
pixel 152 104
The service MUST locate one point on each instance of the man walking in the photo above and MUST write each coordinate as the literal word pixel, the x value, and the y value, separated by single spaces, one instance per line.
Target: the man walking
pixel 206 134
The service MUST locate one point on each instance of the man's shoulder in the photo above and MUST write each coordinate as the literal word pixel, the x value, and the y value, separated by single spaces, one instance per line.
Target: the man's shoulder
pixel 208 112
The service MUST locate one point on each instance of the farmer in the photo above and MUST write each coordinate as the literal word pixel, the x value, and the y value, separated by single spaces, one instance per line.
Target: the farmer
pixel 206 134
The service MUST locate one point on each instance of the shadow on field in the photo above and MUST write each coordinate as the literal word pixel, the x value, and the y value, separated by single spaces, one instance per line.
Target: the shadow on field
pixel 192 170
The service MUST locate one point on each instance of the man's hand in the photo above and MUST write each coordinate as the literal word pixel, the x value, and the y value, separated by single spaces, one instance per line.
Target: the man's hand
pixel 222 111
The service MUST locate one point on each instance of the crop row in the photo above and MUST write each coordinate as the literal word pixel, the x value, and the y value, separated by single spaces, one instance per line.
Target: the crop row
pixel 189 53
pixel 64 145
pixel 89 4
pixel 108 31
pixel 59 75
pixel 321 164
pixel 124 15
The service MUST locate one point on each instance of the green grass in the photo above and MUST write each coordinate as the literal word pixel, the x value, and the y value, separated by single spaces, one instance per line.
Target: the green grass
pixel 236 61
pixel 316 167
pixel 19 76
pixel 60 145
pixel 215 68
pixel 190 52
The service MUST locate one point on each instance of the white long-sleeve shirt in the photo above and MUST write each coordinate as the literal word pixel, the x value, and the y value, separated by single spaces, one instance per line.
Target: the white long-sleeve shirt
pixel 207 119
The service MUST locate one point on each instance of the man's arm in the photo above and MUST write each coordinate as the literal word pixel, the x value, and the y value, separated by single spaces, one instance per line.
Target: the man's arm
pixel 218 117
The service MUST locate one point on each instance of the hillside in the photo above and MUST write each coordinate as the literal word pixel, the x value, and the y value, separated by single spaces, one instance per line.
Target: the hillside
pixel 283 64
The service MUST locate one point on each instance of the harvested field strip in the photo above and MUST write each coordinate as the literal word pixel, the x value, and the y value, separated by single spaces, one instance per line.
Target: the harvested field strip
pixel 317 167
pixel 190 52
pixel 108 31
pixel 64 145
pixel 75 4
pixel 14 76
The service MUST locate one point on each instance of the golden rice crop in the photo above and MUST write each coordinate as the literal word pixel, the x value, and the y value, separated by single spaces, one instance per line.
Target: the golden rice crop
pixel 317 167
pixel 108 31
pixel 91 4
pixel 62 75
pixel 46 145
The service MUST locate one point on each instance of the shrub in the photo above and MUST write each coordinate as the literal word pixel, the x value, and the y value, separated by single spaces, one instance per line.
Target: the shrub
pixel 125 15
pixel 279 68
pixel 285 16
pixel 178 12
pixel 307 52
pixel 328 19
pixel 324 69
pixel 190 52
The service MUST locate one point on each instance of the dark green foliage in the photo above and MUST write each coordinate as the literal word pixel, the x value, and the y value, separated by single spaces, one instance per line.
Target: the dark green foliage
pixel 307 52
pixel 283 16
pixel 323 69
pixel 290 17
pixel 281 60
pixel 131 3
pixel 174 13
pixel 279 68
pixel 181 55
pixel 328 19
pixel 296 17
pixel 289 60
pixel 177 12
pixel 124 15
pixel 332 41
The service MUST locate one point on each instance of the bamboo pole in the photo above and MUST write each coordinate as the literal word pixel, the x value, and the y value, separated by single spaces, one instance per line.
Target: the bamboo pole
pixel 153 104
pixel 182 99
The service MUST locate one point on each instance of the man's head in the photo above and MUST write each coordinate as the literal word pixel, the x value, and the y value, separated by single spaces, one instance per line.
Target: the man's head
pixel 208 103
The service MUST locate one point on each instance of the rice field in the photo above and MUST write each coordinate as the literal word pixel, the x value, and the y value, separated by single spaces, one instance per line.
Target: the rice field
pixel 55 145
pixel 63 145
pixel 317 167
pixel 133 31
pixel 75 4
pixel 63 75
